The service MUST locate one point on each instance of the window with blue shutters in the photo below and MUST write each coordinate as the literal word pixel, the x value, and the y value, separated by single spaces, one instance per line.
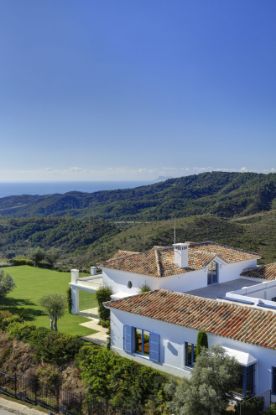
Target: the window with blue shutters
pixel 142 342
pixel 273 386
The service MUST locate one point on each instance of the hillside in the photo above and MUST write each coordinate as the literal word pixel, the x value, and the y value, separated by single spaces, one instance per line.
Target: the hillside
pixel 217 193
pixel 82 242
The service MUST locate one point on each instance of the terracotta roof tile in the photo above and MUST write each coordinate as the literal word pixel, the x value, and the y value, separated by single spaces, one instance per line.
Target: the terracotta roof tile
pixel 242 323
pixel 159 261
pixel 267 272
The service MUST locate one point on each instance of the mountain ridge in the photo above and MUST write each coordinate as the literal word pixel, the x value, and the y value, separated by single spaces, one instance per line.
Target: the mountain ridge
pixel 220 193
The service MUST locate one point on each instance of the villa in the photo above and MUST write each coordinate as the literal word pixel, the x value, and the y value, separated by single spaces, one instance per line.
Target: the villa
pixel 191 287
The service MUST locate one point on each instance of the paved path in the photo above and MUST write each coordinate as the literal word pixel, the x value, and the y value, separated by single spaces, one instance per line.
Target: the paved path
pixel 100 337
pixel 8 407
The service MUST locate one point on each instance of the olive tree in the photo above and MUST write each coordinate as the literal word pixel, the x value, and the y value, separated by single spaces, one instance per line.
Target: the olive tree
pixel 207 392
pixel 6 283
pixel 54 305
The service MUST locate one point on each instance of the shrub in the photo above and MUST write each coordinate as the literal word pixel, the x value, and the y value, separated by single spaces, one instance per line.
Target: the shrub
pixel 21 331
pixel 69 300
pixel 54 347
pixel 129 384
pixel 253 406
pixel 144 288
pixel 7 318
pixel 21 260
pixel 49 378
pixel 202 341
pixel 103 295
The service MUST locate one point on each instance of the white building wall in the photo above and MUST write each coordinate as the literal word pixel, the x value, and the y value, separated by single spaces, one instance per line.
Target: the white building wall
pixel 229 272
pixel 118 281
pixel 188 281
pixel 172 347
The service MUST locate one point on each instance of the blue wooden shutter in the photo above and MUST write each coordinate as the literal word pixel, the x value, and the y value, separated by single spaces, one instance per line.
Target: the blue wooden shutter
pixel 128 339
pixel 155 347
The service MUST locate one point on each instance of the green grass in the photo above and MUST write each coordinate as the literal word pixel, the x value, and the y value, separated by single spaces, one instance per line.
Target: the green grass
pixel 31 285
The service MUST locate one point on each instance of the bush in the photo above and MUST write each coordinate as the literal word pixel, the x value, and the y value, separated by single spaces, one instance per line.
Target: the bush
pixel 144 288
pixel 253 406
pixel 21 260
pixel 7 318
pixel 103 295
pixel 21 331
pixel 202 341
pixel 69 300
pixel 129 384
pixel 54 347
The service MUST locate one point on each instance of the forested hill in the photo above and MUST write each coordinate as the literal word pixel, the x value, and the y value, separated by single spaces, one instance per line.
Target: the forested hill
pixel 220 193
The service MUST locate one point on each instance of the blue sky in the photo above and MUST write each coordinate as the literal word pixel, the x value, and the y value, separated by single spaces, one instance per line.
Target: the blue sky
pixel 130 90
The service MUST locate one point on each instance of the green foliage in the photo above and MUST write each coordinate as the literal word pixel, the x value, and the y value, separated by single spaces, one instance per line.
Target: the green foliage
pixel 54 305
pixel 21 260
pixel 144 288
pixel 117 384
pixel 202 341
pixel 6 283
pixel 54 347
pixel 253 406
pixel 21 331
pixel 7 318
pixel 69 300
pixel 38 255
pixel 206 393
pixel 103 295
pixel 271 410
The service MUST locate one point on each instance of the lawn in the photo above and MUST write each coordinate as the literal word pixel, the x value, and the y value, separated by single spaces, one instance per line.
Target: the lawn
pixel 33 283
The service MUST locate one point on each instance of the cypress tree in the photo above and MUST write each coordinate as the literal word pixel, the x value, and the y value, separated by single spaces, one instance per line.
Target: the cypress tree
pixel 202 341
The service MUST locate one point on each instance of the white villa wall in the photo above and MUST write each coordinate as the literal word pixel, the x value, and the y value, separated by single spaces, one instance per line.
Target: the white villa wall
pixel 229 272
pixel 172 347
pixel 185 282
pixel 118 281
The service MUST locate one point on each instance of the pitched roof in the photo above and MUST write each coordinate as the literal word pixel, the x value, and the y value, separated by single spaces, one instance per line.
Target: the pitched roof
pixel 159 261
pixel 267 272
pixel 242 323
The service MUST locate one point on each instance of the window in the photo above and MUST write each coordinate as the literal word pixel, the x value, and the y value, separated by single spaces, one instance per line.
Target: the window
pixel 246 382
pixel 142 341
pixel 213 273
pixel 273 381
pixel 189 354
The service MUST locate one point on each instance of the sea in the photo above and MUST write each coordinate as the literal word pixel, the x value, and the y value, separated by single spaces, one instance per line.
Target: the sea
pixel 45 188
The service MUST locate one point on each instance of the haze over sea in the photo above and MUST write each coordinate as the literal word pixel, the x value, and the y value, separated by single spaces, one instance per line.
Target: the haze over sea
pixel 44 188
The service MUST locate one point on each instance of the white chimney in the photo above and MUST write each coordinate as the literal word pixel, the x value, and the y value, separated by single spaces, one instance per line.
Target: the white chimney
pixel 74 275
pixel 93 270
pixel 181 255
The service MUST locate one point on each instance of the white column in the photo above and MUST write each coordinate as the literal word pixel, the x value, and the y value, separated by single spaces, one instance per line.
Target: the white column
pixel 75 300
pixel 74 275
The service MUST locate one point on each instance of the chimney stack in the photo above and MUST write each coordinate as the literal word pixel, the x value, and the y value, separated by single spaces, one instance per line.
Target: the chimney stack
pixel 181 254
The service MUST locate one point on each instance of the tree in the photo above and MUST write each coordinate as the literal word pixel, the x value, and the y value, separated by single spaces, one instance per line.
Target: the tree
pixel 38 255
pixel 52 256
pixel 215 374
pixel 103 294
pixel 6 283
pixel 202 341
pixel 55 307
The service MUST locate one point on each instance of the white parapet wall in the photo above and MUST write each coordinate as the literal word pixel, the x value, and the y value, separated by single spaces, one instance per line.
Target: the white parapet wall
pixel 259 295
